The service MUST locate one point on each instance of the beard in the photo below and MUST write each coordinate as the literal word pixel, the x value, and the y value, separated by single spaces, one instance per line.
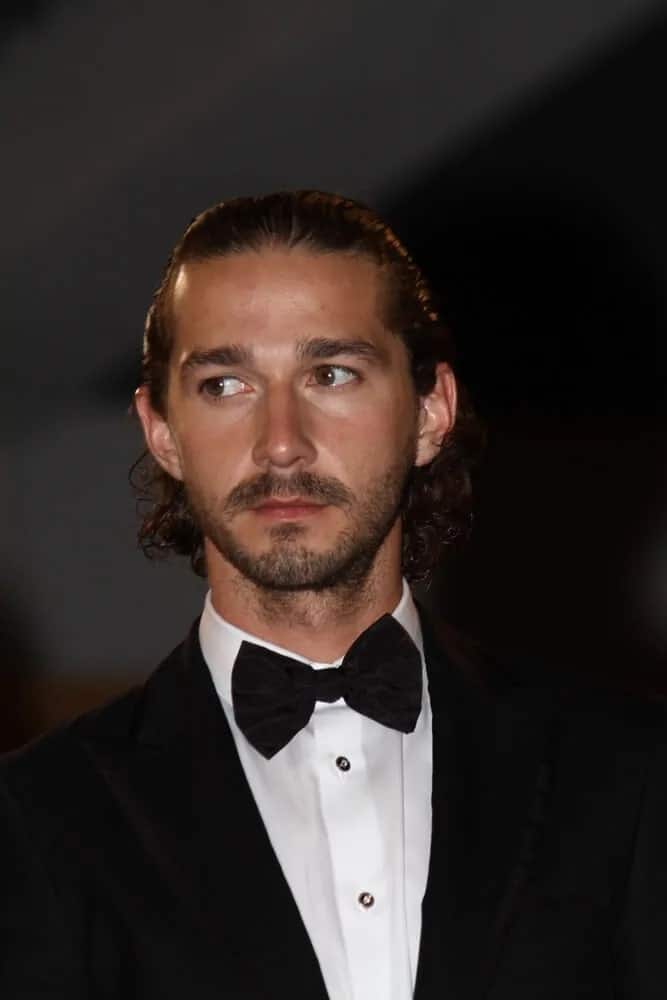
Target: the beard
pixel 290 564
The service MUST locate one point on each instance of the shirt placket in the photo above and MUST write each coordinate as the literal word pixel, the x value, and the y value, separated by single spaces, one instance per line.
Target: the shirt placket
pixel 362 871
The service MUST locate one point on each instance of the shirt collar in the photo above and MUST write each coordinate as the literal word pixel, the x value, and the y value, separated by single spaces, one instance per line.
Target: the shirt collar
pixel 220 641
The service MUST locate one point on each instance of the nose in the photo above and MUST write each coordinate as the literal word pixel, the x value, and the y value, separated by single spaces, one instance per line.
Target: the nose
pixel 282 439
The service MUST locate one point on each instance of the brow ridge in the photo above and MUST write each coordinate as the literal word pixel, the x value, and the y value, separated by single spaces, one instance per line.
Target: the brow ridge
pixel 321 348
pixel 312 349
pixel 224 355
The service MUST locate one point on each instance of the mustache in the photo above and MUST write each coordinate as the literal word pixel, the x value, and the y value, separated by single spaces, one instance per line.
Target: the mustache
pixel 323 489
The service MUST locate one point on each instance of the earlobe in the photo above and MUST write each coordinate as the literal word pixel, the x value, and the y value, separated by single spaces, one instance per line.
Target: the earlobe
pixel 437 414
pixel 158 435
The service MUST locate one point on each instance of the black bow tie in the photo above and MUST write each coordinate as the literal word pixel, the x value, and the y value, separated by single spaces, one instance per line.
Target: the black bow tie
pixel 380 677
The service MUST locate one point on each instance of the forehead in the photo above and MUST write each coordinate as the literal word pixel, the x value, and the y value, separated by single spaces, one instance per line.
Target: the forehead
pixel 259 294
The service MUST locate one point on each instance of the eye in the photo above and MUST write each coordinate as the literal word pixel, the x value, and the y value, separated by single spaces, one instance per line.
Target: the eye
pixel 221 386
pixel 334 375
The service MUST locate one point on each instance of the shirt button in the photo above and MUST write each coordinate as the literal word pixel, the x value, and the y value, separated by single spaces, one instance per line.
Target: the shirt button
pixel 366 899
pixel 343 764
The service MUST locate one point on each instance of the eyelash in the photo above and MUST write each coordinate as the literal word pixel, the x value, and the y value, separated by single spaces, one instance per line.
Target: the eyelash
pixel 209 385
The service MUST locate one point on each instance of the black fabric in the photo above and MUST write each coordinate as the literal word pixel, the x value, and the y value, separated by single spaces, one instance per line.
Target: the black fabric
pixel 134 862
pixel 380 677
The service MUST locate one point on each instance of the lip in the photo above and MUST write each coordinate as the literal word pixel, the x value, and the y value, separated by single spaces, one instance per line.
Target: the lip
pixel 294 507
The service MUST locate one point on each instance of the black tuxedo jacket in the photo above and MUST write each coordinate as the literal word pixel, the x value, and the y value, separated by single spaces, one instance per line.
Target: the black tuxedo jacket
pixel 134 863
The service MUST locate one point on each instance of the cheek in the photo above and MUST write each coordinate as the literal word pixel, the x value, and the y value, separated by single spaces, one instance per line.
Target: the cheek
pixel 212 456
pixel 363 446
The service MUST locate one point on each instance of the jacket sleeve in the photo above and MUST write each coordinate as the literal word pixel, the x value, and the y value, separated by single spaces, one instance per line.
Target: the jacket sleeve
pixel 642 970
pixel 36 954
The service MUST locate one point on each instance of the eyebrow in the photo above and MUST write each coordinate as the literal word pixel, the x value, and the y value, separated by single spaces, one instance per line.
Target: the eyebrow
pixel 313 349
pixel 225 355
pixel 321 348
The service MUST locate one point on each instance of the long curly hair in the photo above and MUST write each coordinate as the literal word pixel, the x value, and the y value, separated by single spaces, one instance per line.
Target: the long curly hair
pixel 436 508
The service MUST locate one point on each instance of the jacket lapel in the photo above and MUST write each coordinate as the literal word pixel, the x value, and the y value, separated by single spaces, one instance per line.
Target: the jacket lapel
pixel 208 839
pixel 491 752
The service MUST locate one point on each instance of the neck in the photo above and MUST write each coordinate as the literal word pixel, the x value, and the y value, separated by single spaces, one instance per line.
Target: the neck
pixel 319 625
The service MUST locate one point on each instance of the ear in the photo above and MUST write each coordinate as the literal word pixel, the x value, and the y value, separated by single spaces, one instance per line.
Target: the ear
pixel 437 413
pixel 157 432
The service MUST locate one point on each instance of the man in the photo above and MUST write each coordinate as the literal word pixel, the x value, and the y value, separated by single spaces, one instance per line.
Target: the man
pixel 313 796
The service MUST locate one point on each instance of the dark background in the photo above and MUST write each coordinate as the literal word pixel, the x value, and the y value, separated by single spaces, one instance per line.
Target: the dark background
pixel 520 152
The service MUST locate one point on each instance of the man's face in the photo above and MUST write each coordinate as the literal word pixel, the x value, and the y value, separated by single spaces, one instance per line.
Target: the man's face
pixel 291 414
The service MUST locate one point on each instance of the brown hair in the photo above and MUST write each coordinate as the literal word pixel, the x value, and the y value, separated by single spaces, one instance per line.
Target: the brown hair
pixel 437 504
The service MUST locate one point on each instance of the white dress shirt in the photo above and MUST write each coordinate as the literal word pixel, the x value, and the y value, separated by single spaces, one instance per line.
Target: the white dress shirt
pixel 347 807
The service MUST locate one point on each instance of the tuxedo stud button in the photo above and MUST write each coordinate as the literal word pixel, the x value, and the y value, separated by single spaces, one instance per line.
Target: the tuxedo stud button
pixel 366 899
pixel 343 764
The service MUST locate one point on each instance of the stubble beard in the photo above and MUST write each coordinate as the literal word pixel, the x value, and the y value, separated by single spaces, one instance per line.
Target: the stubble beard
pixel 289 566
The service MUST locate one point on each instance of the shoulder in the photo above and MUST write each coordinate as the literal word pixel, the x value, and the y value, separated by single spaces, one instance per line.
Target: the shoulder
pixel 48 772
pixel 586 716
